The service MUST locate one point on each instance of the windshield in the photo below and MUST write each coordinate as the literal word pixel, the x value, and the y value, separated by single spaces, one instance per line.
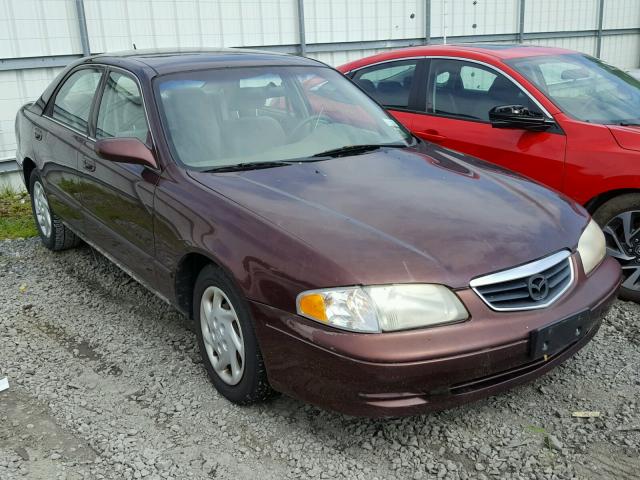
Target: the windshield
pixel 221 117
pixel 584 87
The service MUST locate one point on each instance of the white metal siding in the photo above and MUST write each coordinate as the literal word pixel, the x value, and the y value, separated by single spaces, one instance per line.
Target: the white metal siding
pixel 339 58
pixel 560 15
pixel 30 28
pixel 581 44
pixel 623 51
pixel 118 24
pixel 356 20
pixel 621 14
pixel 468 17
pixel 16 89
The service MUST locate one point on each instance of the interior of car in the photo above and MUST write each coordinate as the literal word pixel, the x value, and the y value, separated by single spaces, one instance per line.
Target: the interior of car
pixel 465 90
pixel 254 119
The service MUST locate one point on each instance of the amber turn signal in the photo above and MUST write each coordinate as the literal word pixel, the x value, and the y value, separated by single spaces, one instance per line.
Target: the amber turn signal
pixel 312 305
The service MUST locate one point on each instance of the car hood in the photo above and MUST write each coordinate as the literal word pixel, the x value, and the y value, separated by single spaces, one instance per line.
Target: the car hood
pixel 627 137
pixel 403 215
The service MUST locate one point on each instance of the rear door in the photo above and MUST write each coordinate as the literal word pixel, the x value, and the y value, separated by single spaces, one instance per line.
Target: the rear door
pixel 118 197
pixel 392 84
pixel 455 114
pixel 65 127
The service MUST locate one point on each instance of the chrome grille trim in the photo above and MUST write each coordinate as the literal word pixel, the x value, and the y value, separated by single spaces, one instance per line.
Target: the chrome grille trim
pixel 497 289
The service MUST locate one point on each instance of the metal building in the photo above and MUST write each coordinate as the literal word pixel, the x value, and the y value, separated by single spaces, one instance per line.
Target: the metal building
pixel 39 37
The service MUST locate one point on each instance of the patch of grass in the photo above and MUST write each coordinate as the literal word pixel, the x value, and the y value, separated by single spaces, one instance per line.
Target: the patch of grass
pixel 536 429
pixel 16 219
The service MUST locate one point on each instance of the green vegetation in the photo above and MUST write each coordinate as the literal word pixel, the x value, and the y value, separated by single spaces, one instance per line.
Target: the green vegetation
pixel 16 219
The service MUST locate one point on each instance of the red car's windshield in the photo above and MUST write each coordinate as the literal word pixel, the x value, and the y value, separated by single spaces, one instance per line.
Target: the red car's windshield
pixel 584 87
pixel 220 117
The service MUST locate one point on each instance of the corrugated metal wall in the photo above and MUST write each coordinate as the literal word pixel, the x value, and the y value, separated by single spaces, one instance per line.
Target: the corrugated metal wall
pixel 118 24
pixel 34 28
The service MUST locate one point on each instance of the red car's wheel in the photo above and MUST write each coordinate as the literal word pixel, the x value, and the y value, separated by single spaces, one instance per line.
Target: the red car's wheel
pixel 620 222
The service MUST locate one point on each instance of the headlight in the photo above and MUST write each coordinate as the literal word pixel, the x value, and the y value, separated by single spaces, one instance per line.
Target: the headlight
pixel 382 308
pixel 592 247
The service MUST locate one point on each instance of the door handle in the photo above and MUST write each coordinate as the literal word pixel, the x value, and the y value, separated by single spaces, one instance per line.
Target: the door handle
pixel 88 164
pixel 431 135
pixel 37 133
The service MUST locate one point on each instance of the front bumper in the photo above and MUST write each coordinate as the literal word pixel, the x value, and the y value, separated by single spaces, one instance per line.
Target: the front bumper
pixel 405 373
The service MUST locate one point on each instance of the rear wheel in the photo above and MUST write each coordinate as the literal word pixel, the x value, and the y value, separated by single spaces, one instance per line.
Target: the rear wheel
pixel 620 222
pixel 53 233
pixel 227 339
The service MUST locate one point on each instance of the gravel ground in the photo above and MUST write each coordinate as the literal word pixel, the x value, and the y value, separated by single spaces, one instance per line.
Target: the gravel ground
pixel 106 382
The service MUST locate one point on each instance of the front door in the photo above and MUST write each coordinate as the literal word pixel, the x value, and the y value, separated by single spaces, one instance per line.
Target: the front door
pixel 459 95
pixel 118 197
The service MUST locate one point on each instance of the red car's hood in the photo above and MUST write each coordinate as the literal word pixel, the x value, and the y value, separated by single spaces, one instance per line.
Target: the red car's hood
pixel 402 216
pixel 627 137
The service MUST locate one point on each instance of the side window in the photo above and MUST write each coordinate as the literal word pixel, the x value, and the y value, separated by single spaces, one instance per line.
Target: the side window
pixel 73 101
pixel 474 78
pixel 389 83
pixel 121 111
pixel 469 90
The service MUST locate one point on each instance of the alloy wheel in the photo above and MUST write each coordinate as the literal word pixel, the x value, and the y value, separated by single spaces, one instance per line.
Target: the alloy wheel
pixel 622 233
pixel 41 207
pixel 222 335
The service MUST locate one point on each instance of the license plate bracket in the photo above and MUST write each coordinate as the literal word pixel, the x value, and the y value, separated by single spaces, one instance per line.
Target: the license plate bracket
pixel 555 337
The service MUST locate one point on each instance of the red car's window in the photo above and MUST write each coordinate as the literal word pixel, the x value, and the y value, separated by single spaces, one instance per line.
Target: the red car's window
pixel 389 83
pixel 469 90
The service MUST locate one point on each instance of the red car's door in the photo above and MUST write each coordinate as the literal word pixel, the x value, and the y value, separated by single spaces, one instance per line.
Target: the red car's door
pixel 392 85
pixel 459 95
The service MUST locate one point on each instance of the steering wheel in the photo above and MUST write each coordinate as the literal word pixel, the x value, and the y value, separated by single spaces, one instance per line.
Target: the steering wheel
pixel 317 119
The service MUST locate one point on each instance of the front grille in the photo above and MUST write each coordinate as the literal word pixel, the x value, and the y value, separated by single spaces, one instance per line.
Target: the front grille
pixel 535 285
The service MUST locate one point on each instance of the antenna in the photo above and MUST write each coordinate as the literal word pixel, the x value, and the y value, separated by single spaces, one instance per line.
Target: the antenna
pixel 134 47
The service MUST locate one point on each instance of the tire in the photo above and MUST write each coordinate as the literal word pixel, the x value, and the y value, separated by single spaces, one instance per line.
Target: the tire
pixel 215 293
pixel 53 233
pixel 608 217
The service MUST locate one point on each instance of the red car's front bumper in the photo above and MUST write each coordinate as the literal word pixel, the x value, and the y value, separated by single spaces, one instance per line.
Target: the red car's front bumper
pixel 410 372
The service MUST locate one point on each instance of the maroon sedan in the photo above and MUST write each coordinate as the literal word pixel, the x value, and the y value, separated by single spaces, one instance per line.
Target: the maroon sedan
pixel 329 256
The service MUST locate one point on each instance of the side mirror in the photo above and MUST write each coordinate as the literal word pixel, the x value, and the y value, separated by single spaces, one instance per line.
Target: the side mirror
pixel 518 116
pixel 126 150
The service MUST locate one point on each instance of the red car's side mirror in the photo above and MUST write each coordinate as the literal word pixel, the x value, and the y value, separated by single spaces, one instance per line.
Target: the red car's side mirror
pixel 126 150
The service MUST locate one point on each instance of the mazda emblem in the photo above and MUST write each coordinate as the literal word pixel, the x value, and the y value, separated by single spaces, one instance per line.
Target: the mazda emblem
pixel 538 287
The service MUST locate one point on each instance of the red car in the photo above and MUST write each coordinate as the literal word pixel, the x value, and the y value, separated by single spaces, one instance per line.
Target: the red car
pixel 560 117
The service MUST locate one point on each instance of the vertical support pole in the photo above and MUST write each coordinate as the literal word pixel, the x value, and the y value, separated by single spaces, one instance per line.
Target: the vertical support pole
pixel 444 22
pixel 427 22
pixel 301 29
pixel 600 22
pixel 521 23
pixel 82 27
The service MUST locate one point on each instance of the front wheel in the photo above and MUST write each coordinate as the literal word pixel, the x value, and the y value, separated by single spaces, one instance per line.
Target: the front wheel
pixel 619 219
pixel 227 339
pixel 53 233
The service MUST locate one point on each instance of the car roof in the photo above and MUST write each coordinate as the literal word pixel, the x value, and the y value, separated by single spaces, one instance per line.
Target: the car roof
pixel 507 50
pixel 491 52
pixel 176 60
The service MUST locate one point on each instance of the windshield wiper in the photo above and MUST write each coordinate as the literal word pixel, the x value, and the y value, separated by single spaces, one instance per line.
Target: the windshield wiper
pixel 357 149
pixel 628 124
pixel 239 167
